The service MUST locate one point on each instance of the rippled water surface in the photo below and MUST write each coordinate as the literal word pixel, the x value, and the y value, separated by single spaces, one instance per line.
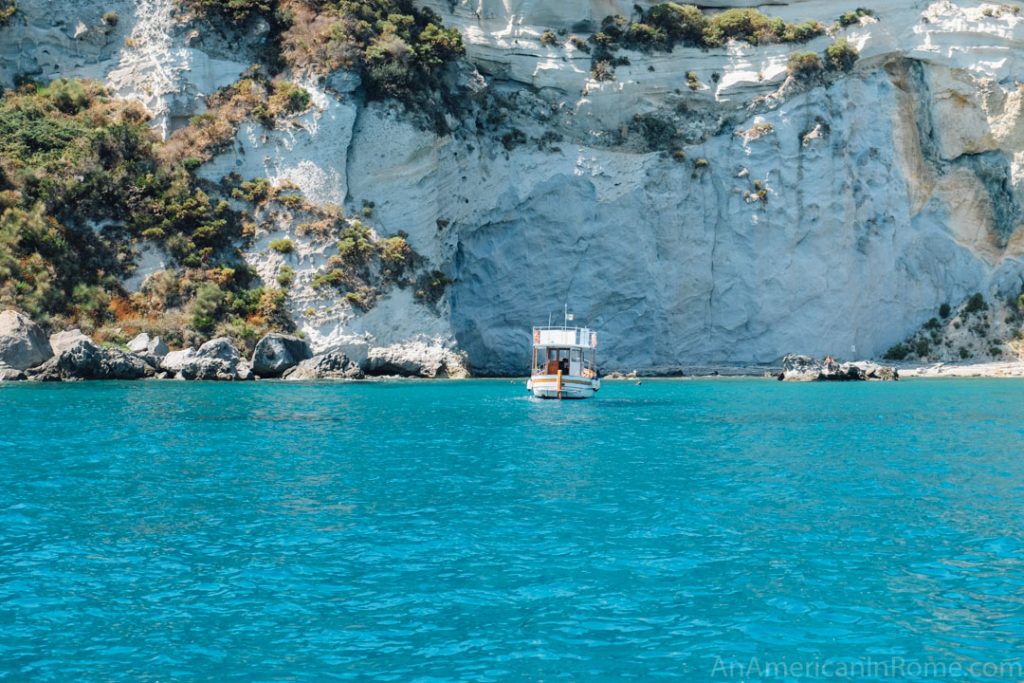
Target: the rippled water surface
pixel 399 531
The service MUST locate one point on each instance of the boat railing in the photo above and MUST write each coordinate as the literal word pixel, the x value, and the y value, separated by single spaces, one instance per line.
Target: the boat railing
pixel 565 336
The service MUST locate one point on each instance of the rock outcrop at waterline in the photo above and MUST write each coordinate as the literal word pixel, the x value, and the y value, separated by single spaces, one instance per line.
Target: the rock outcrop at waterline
pixel 797 368
pixel 77 357
pixel 330 365
pixel 85 360
pixel 61 341
pixel 277 353
pixel 217 359
pixel 22 343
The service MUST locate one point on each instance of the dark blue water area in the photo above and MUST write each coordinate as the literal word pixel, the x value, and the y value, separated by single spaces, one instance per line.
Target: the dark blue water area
pixel 694 530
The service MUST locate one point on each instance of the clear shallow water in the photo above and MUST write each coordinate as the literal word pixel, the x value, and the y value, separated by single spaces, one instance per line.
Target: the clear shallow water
pixel 460 530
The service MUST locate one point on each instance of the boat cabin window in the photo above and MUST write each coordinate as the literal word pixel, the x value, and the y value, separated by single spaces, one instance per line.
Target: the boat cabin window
pixel 551 360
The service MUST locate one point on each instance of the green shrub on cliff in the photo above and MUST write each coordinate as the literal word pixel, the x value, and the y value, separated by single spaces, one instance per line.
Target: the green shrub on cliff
pixel 284 246
pixel 680 23
pixel 399 49
pixel 854 16
pixel 83 182
pixel 669 23
pixel 841 56
pixel 751 26
pixel 254 96
pixel 804 64
pixel 286 98
pixel 976 304
pixel 7 10
pixel 236 10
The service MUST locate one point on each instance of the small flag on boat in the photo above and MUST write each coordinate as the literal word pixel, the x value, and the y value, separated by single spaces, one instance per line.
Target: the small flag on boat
pixel 568 316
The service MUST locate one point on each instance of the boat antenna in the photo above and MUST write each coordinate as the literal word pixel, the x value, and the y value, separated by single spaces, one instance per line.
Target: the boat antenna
pixel 549 318
pixel 565 316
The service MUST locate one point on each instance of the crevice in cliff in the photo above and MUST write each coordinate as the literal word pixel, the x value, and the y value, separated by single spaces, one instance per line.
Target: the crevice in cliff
pixel 993 170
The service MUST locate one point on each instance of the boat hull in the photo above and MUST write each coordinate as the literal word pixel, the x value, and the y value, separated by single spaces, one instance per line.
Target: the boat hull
pixel 566 387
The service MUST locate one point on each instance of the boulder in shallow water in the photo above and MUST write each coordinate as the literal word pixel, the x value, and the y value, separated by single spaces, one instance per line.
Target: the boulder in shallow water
pixel 62 341
pixel 85 360
pixel 873 372
pixel 797 368
pixel 8 374
pixel 277 353
pixel 330 365
pixel 22 343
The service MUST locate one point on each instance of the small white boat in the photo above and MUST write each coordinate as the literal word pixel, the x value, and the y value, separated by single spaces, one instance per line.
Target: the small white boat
pixel 564 363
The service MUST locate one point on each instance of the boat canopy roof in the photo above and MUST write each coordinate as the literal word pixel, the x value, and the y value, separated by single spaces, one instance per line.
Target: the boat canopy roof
pixel 580 337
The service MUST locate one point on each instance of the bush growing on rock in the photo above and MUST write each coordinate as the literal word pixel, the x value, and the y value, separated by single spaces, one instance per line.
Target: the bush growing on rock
pixel 283 246
pixel 287 98
pixel 7 10
pixel 897 352
pixel 255 191
pixel 356 244
pixel 841 56
pixel 667 24
pixel 252 96
pixel 286 276
pixel 803 65
pixel 431 286
pixel 751 26
pixel 206 307
pixel 236 10
pixel 854 16
pixel 394 255
pixel 976 304
pixel 680 23
pixel 399 49
pixel 548 39
pixel 602 70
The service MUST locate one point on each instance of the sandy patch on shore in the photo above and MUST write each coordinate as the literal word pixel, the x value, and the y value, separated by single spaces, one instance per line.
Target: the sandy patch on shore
pixel 994 369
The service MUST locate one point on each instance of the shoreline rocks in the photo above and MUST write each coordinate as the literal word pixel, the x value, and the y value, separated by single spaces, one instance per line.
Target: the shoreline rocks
pixel 85 360
pixel 62 341
pixel 415 360
pixel 9 374
pixel 173 361
pixel 276 354
pixel 23 344
pixel 217 359
pixel 797 368
pixel 150 349
pixel 330 365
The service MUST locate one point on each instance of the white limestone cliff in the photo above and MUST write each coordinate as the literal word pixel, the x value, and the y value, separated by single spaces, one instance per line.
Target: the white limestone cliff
pixel 817 219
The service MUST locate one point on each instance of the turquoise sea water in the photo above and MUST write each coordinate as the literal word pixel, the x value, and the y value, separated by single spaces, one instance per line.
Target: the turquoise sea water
pixel 698 530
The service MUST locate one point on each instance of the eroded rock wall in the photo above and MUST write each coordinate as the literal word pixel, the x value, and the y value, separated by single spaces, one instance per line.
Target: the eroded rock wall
pixel 783 216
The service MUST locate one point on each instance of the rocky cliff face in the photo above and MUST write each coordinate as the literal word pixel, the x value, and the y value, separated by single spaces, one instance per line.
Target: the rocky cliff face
pixel 702 206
